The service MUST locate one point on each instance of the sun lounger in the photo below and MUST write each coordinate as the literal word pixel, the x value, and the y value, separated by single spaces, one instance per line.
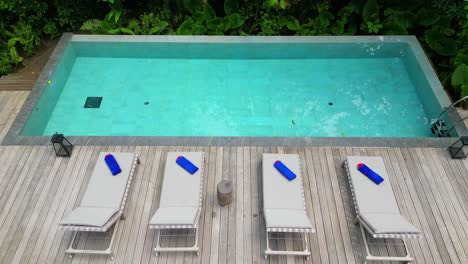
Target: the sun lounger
pixel 180 202
pixel 377 211
pixel 284 204
pixel 103 202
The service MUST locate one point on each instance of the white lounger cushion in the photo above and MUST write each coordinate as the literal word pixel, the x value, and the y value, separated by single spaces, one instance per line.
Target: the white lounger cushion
pixel 180 193
pixel 283 200
pixel 89 216
pixel 388 223
pixel 376 204
pixel 175 216
pixel 104 194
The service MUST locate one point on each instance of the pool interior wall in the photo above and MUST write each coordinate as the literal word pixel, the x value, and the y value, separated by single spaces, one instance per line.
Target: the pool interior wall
pixel 234 89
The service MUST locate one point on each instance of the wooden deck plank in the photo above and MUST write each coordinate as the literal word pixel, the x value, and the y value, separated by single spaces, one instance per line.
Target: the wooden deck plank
pixel 209 200
pixel 414 207
pixel 314 191
pixel 441 237
pixel 215 231
pixel 32 198
pixel 239 190
pixel 413 244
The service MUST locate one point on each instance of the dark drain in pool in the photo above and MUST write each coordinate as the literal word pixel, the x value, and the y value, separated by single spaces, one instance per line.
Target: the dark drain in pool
pixel 93 102
pixel 330 103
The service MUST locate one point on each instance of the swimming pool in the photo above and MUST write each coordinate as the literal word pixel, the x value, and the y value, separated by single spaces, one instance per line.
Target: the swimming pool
pixel 241 87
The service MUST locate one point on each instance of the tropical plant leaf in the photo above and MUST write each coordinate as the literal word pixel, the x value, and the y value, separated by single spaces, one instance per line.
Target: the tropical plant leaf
pixel 14 56
pixel 426 17
pixel 460 76
pixel 393 28
pixel 462 57
pixel 282 4
pixel 234 20
pixel 213 23
pixel 158 28
pixel 127 31
pixel 370 11
pixel 440 43
pixel 290 22
pixel 186 26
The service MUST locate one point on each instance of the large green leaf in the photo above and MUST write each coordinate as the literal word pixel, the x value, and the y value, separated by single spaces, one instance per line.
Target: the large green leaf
pixel 14 56
pixel 370 11
pixel 127 31
pixel 290 22
pixel 462 57
pixel 426 17
pixel 213 23
pixel 460 76
pixel 440 43
pixel 234 20
pixel 394 28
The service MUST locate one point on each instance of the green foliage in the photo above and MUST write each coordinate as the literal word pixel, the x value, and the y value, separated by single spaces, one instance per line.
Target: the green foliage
pixel 460 79
pixel 205 21
pixel 440 43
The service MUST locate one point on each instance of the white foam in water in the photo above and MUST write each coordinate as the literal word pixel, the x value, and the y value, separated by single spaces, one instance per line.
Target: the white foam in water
pixel 330 124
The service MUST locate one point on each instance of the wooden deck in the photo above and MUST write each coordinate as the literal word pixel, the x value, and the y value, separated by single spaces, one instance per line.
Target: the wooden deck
pixel 37 190
pixel 25 77
pixel 10 104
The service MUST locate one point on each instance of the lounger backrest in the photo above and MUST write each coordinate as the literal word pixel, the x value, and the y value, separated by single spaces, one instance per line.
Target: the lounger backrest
pixel 372 198
pixel 180 188
pixel 105 190
pixel 278 192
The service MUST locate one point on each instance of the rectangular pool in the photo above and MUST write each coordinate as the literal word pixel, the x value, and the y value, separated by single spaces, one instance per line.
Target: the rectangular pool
pixel 277 88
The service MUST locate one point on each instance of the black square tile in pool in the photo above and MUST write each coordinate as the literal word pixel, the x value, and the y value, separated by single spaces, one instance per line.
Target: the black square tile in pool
pixel 93 102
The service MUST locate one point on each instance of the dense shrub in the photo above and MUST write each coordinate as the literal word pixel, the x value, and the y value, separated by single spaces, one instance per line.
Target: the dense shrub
pixel 440 25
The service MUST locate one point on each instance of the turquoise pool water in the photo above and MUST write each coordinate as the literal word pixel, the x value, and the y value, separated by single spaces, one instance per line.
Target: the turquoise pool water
pixel 226 89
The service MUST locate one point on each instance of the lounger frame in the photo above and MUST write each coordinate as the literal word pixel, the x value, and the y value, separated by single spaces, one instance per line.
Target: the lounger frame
pixel 114 221
pixel 303 232
pixel 305 252
pixel 158 248
pixel 365 228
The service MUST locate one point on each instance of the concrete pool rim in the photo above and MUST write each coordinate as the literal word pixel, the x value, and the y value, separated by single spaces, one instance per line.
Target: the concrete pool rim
pixel 13 136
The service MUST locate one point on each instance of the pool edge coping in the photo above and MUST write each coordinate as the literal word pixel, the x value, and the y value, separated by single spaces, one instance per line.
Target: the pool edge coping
pixel 13 136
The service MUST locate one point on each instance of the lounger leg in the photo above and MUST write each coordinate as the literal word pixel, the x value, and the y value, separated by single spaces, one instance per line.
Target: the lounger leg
pixel 158 240
pixel 267 245
pixel 72 241
pixel 369 256
pixel 71 250
pixel 193 248
pixel 306 249
pixel 305 252
pixel 196 241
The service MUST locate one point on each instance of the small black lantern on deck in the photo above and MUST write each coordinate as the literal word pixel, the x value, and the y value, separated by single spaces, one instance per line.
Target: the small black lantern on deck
pixel 62 147
pixel 459 149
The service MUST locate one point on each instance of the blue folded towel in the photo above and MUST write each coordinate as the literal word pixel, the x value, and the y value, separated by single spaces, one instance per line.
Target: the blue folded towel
pixel 372 175
pixel 284 170
pixel 186 164
pixel 112 164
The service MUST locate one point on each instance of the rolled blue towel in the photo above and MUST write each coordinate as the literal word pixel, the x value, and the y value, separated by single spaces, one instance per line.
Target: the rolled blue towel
pixel 186 164
pixel 285 171
pixel 372 175
pixel 112 164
